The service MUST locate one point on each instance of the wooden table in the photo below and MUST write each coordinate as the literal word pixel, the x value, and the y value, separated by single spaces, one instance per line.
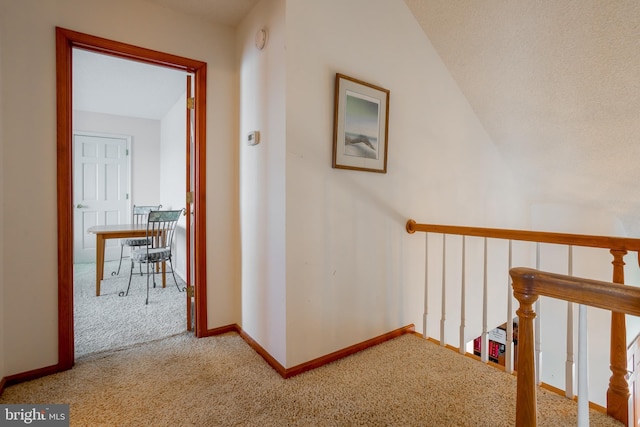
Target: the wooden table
pixel 120 231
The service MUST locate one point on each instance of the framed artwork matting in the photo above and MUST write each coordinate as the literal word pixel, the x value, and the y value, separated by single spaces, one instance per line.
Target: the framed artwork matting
pixel 361 121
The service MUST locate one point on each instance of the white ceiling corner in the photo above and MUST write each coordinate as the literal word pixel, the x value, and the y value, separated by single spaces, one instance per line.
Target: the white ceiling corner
pixel 222 12
pixel 110 85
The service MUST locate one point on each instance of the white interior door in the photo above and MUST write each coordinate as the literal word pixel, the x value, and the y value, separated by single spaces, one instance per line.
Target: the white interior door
pixel 100 191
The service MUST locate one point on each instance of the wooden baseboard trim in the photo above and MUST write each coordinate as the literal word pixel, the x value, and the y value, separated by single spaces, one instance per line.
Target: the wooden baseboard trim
pixel 262 352
pixel 320 361
pixel 221 330
pixel 561 392
pixel 28 376
pixel 332 357
pixel 251 342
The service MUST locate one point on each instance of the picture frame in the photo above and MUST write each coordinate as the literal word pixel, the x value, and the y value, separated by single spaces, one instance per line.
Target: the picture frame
pixel 361 125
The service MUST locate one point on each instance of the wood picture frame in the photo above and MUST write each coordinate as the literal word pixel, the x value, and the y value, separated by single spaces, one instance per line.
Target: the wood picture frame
pixel 361 125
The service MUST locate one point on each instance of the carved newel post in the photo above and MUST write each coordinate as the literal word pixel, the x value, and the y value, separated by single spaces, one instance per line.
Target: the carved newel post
pixel 618 396
pixel 526 412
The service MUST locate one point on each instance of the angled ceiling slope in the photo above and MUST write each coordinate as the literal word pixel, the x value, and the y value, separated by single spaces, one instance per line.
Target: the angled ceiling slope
pixel 557 86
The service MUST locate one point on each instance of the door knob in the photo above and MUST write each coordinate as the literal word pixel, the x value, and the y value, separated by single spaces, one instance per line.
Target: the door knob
pixel 81 206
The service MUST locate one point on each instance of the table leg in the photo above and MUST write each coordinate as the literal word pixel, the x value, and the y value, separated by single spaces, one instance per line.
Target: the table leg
pixel 99 261
pixel 164 274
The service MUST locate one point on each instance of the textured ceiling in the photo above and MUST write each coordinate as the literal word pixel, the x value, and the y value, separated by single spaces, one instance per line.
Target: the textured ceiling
pixel 556 85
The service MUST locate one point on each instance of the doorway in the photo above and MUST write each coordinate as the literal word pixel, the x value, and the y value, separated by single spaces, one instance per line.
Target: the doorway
pixel 129 135
pixel 66 41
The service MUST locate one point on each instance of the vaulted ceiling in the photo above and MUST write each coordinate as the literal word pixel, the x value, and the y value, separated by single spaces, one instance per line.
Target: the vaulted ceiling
pixel 556 84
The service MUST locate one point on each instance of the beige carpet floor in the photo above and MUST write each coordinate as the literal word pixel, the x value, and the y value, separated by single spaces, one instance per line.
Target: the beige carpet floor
pixel 221 381
pixel 110 321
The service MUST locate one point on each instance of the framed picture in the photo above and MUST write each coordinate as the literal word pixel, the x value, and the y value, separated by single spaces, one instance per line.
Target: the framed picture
pixel 360 128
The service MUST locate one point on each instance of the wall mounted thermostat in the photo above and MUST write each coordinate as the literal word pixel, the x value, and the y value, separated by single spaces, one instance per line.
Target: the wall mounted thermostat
pixel 253 138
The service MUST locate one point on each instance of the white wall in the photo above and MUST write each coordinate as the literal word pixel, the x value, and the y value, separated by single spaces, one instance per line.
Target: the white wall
pixel 351 271
pixel 29 140
pixel 262 178
pixel 172 172
pixel 172 163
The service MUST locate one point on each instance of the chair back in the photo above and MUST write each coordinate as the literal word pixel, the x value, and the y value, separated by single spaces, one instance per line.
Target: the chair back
pixel 161 226
pixel 140 213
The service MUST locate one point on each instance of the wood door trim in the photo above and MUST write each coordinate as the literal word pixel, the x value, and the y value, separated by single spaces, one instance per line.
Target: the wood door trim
pixel 187 206
pixel 66 40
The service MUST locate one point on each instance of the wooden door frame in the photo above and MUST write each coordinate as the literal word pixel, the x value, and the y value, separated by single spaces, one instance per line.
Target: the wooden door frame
pixel 66 40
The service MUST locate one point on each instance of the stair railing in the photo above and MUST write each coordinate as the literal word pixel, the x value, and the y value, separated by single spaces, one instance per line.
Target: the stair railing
pixel 618 395
pixel 528 285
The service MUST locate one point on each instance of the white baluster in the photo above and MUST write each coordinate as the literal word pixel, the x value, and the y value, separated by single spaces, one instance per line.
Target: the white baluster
pixel 509 347
pixel 484 355
pixel 425 314
pixel 462 298
pixel 569 364
pixel 443 316
pixel 538 346
pixel 583 364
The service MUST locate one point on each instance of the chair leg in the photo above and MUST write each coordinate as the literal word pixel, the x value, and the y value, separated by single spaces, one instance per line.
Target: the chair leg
pixel 113 273
pixel 174 277
pixel 147 300
pixel 116 273
pixel 122 294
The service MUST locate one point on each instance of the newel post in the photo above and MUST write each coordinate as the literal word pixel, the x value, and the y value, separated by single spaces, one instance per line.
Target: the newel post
pixel 618 395
pixel 526 411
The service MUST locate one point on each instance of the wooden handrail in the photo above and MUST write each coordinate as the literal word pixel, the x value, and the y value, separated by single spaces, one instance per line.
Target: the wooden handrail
pixel 618 394
pixel 595 293
pixel 604 242
pixel 528 285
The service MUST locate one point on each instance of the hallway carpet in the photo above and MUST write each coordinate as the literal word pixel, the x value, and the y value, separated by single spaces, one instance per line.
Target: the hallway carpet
pixel 221 381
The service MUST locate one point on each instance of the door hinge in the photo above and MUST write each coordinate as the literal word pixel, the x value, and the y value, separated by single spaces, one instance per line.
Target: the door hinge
pixel 189 197
pixel 191 103
pixel 190 291
pixel 127 196
pixel 126 152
